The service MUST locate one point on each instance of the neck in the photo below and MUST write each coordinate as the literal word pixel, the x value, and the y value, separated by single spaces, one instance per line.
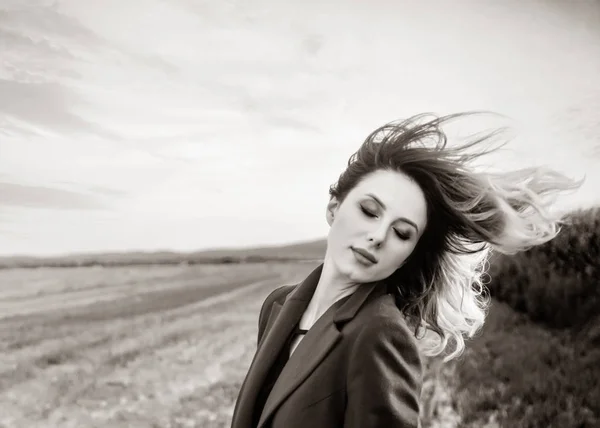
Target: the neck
pixel 332 286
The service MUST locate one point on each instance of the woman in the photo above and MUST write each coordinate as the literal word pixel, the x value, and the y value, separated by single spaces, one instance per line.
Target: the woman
pixel 411 229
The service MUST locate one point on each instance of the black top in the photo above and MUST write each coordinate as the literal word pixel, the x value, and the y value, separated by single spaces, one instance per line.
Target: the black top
pixel 274 373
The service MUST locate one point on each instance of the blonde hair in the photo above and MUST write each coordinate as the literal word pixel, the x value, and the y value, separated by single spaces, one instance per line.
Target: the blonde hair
pixel 441 287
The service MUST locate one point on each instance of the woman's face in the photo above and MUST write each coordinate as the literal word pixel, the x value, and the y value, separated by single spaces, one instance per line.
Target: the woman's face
pixel 383 218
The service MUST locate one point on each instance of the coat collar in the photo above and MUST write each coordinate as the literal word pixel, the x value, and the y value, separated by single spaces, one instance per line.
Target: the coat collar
pixel 350 305
pixel 314 347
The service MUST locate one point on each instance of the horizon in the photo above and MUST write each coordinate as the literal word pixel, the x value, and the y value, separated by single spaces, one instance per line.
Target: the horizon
pixel 166 250
pixel 146 127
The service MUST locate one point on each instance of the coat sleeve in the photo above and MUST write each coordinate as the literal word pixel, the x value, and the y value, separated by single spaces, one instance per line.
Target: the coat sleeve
pixel 384 378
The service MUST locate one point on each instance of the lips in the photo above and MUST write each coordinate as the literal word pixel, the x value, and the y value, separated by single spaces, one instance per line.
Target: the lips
pixel 365 254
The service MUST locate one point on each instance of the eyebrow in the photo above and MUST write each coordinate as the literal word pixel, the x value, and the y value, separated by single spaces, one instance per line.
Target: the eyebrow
pixel 404 219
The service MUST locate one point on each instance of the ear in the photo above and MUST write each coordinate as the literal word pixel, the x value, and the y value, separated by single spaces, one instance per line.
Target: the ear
pixel 332 208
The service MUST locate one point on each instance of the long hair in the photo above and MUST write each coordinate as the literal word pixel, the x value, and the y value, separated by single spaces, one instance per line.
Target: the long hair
pixel 441 286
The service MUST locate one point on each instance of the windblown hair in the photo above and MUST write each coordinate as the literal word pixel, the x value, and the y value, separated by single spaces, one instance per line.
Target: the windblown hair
pixel 441 288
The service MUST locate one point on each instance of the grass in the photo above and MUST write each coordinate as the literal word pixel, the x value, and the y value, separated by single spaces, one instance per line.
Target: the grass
pixel 521 374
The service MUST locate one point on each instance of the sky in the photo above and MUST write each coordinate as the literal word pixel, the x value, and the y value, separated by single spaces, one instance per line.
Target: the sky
pixel 186 125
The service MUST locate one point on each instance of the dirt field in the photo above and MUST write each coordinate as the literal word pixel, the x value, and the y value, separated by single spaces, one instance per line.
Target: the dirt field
pixel 163 346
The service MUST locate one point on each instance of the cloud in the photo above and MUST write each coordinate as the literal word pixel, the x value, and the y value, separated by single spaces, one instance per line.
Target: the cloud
pixel 21 195
pixel 45 105
pixel 99 190
pixel 291 123
pixel 313 44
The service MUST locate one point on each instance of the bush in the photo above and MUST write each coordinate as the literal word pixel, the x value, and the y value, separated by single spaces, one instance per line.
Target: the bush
pixel 527 376
pixel 557 283
pixel 544 374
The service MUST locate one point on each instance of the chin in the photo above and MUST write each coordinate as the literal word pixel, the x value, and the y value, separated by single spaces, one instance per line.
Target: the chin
pixel 357 273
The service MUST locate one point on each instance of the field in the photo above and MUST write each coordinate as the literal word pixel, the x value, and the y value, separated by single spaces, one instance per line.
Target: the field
pixel 138 347
pixel 150 346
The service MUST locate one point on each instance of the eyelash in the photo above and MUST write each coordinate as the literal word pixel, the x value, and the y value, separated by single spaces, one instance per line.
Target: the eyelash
pixel 370 214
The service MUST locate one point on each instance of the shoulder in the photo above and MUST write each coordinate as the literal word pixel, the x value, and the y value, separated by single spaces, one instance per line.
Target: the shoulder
pixel 382 325
pixel 276 295
pixel 384 371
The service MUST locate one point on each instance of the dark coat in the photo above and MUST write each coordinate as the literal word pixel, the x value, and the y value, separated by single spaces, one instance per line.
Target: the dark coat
pixel 357 367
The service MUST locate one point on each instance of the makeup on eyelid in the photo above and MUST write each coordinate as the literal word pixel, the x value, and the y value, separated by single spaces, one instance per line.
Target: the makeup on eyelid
pixel 373 213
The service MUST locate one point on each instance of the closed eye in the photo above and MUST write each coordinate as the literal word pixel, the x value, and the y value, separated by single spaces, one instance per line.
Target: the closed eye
pixel 367 213
pixel 403 236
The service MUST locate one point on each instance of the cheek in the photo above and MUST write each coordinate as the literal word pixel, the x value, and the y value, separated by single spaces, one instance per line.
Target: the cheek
pixel 343 228
pixel 335 238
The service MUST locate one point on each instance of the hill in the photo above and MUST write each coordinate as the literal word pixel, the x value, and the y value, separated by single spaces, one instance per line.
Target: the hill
pixel 309 251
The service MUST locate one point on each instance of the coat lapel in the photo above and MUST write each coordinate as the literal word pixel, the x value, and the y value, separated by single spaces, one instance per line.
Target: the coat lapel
pixel 318 342
pixel 313 348
pixel 282 319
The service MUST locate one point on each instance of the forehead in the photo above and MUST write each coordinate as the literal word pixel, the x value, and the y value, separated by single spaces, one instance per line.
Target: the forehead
pixel 402 196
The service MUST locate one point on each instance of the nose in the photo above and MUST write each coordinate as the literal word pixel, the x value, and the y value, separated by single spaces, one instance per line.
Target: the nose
pixel 377 236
